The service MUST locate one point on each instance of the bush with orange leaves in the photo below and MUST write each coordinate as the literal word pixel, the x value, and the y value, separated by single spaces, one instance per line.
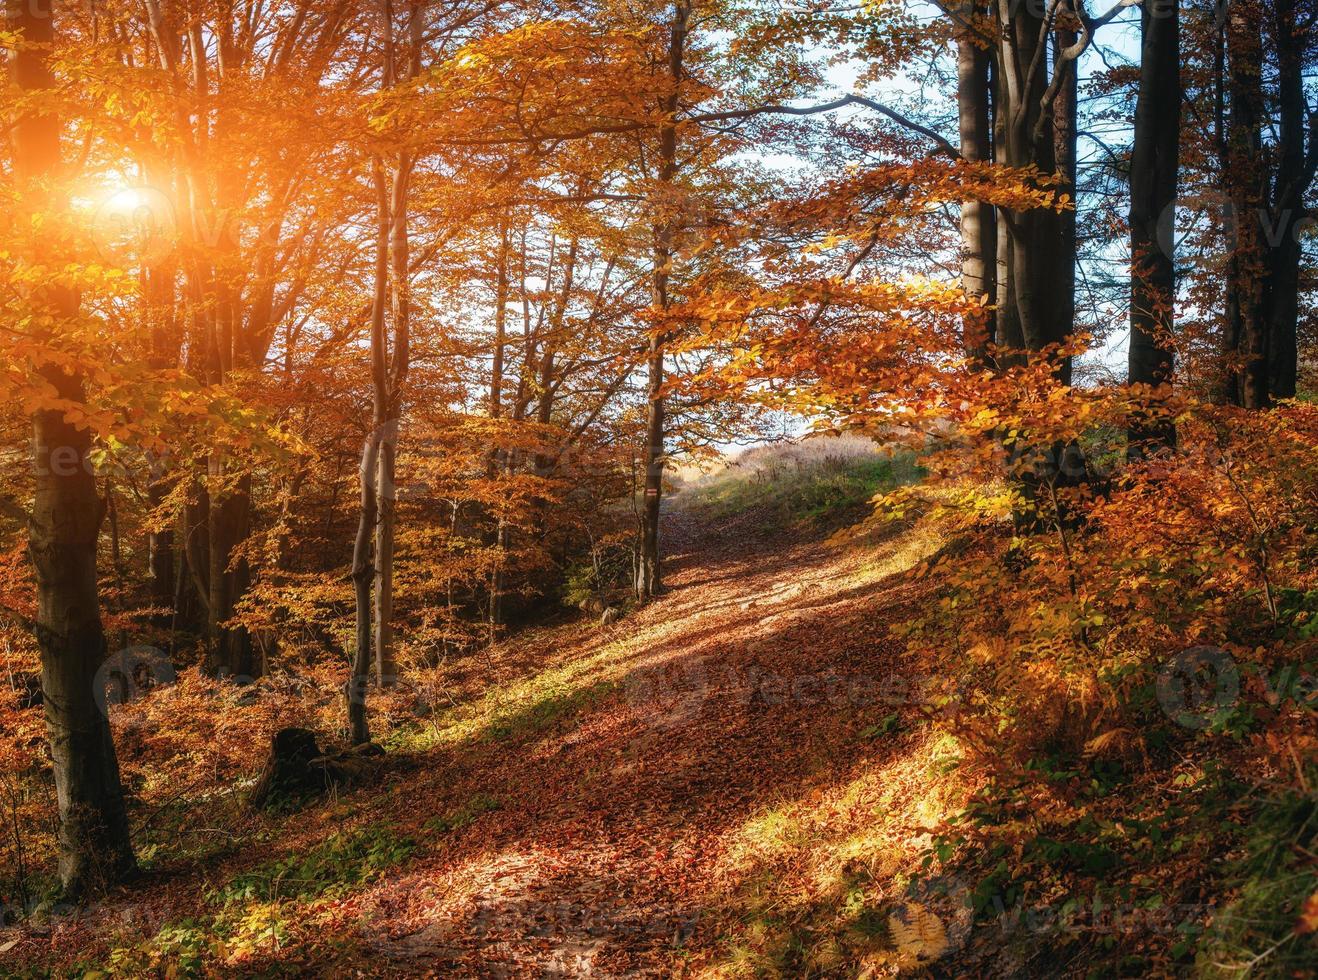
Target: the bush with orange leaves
pixel 1130 669
pixel 1211 546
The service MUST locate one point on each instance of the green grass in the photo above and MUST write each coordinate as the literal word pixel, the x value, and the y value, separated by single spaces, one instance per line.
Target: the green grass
pixel 463 816
pixel 340 863
pixel 1255 934
pixel 820 491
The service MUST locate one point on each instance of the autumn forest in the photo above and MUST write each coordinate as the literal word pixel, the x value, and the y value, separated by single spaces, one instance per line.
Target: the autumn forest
pixel 647 488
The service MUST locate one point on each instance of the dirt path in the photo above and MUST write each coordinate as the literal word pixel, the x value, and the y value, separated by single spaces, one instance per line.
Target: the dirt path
pixel 742 687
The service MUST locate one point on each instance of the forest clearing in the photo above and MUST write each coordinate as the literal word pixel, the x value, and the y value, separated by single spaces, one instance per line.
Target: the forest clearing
pixel 646 488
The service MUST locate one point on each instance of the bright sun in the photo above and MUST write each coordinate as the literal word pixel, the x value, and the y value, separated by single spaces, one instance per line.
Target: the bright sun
pixel 127 200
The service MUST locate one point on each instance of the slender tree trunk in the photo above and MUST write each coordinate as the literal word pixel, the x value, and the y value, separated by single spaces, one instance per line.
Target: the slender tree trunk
pixel 94 844
pixel 1154 171
pixel 496 412
pixel 1066 133
pixel 649 577
pixel 391 372
pixel 363 574
pixel 364 570
pixel 164 353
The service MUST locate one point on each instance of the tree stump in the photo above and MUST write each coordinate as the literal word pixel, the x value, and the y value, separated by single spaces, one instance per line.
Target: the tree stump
pixel 291 771
pixel 297 769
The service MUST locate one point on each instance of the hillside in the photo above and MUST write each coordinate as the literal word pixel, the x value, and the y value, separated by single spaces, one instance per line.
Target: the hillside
pixel 751 776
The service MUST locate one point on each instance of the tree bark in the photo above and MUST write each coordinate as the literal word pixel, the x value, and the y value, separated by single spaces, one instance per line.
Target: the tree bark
pixel 978 223
pixel 1245 176
pixel 164 353
pixel 1036 127
pixel 94 844
pixel 649 576
pixel 364 571
pixel 1296 168
pixel 228 526
pixel 390 367
pixel 1154 171
pixel 496 412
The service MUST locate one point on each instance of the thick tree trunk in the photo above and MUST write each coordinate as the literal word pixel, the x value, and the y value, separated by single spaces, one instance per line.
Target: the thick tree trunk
pixel 228 526
pixel 1154 169
pixel 1041 241
pixel 160 553
pixel 94 845
pixel 1036 127
pixel 648 578
pixel 1246 180
pixel 1295 175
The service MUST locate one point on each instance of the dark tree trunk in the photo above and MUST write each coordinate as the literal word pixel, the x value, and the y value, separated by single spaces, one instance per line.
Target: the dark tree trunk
pixel 1041 241
pixel 1036 127
pixel 1244 173
pixel 94 845
pixel 228 526
pixel 1154 170
pixel 1296 168
pixel 496 412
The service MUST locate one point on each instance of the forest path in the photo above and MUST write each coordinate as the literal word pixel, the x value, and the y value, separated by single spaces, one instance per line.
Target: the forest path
pixel 595 818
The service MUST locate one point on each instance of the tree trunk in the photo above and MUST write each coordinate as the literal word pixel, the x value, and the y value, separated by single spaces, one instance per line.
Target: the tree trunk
pixel 164 354
pixel 1246 179
pixel 1036 127
pixel 978 223
pixel 496 412
pixel 1154 169
pixel 1295 175
pixel 94 844
pixel 228 527
pixel 364 572
pixel 649 572
pixel 389 369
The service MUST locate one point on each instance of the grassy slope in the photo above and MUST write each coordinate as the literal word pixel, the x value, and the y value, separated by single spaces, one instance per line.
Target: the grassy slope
pixel 740 779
